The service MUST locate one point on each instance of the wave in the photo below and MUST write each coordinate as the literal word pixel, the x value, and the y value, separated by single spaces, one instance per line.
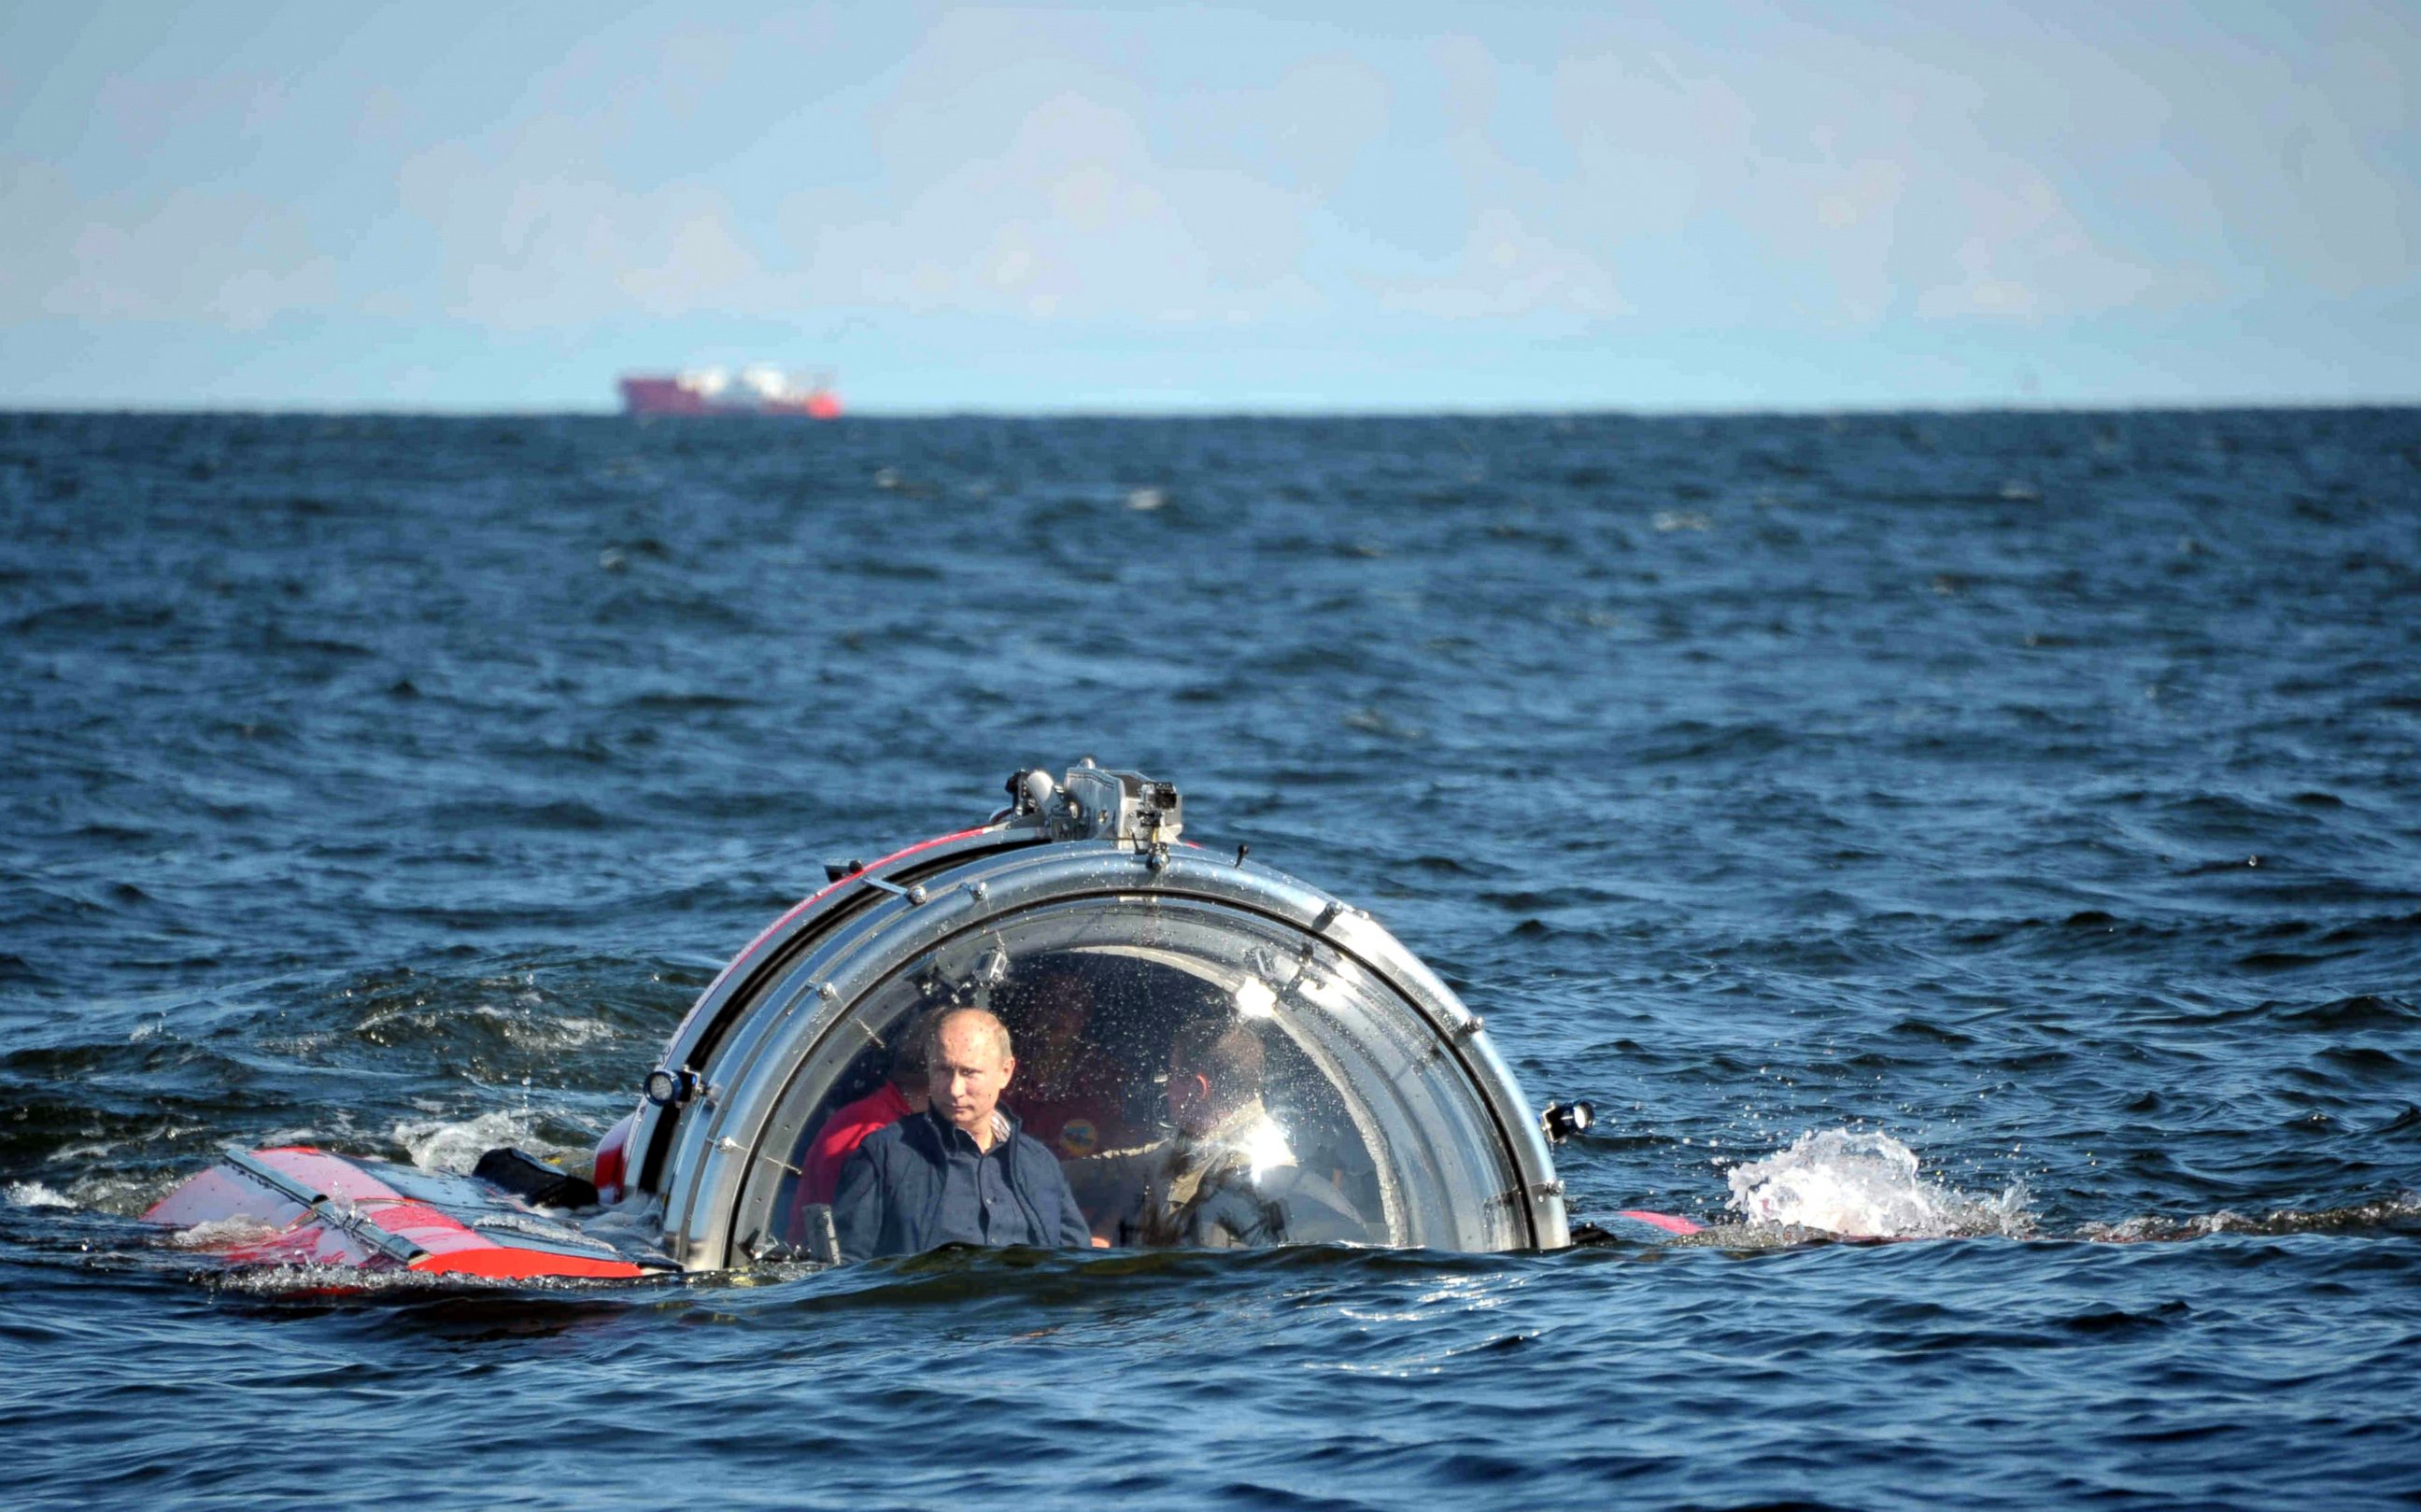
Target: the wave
pixel 2389 1212
pixel 35 1195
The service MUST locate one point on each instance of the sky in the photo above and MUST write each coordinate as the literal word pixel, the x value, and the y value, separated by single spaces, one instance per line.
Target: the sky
pixel 1708 206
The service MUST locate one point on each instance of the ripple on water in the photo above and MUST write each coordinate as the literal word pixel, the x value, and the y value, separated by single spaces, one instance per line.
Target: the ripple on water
pixel 396 783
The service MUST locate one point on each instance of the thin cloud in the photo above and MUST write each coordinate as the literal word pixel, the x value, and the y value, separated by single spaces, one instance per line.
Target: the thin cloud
pixel 1074 217
pixel 195 256
pixel 1505 271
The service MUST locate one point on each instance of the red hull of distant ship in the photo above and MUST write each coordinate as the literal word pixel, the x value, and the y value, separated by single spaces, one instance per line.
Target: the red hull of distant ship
pixel 671 395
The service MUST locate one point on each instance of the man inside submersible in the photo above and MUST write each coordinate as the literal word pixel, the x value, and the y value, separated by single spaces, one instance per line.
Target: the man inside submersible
pixel 1225 1177
pixel 963 1171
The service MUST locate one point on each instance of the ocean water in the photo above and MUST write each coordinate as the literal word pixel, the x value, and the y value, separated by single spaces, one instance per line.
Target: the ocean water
pixel 1972 862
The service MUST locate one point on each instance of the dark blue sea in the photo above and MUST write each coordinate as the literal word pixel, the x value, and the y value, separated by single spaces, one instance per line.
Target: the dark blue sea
pixel 2035 794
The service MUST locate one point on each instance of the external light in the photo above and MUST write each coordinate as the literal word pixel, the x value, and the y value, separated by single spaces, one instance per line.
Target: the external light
pixel 1560 1121
pixel 668 1089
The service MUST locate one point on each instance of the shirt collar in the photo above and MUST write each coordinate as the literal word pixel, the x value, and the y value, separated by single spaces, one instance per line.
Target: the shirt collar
pixel 1003 1128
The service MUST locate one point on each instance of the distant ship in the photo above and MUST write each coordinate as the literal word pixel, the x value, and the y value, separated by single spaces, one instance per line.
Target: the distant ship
pixel 757 390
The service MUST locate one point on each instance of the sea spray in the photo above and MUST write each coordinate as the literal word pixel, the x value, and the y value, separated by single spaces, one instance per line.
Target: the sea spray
pixel 36 1194
pixel 1865 1185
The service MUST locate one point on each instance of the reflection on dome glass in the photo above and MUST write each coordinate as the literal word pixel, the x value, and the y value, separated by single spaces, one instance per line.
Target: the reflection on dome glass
pixel 1205 1076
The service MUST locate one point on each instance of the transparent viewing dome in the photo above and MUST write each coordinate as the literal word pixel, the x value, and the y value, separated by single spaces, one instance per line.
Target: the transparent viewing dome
pixel 1217 1055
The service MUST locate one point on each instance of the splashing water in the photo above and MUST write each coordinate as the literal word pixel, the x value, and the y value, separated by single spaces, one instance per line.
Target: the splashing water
pixel 1865 1186
pixel 35 1195
pixel 443 1144
pixel 215 1232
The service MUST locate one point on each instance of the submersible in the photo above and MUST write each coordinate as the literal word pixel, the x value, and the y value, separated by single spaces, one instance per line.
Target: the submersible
pixel 1082 917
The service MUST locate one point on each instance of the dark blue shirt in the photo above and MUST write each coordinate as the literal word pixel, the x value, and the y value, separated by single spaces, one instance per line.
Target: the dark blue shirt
pixel 922 1183
pixel 977 1206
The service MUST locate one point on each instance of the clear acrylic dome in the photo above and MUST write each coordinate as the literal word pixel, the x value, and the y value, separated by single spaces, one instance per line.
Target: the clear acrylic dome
pixel 1162 1004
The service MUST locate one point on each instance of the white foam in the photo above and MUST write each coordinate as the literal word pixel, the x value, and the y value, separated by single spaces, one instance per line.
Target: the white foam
pixel 35 1195
pixel 438 1144
pixel 125 1196
pixel 1864 1185
pixel 557 1034
pixel 219 1231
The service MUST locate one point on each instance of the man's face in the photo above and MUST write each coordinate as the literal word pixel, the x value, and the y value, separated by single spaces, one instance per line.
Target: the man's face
pixel 1189 1104
pixel 965 1075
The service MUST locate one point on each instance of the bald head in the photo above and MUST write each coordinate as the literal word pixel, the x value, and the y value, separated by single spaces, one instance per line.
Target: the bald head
pixel 981 1023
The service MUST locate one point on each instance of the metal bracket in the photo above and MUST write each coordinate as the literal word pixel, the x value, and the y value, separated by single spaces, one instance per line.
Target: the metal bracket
pixel 727 1142
pixel 347 1218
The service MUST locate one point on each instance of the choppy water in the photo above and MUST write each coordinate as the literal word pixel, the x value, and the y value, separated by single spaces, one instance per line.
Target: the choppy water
pixel 2037 794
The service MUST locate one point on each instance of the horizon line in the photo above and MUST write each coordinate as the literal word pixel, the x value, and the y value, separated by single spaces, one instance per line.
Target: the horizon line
pixel 1784 411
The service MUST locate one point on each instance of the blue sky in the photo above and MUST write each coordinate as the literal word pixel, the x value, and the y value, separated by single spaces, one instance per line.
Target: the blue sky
pixel 1680 207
